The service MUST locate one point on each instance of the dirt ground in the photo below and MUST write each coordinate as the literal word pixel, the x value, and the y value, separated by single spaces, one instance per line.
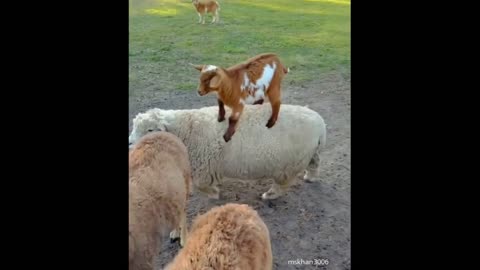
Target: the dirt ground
pixel 312 221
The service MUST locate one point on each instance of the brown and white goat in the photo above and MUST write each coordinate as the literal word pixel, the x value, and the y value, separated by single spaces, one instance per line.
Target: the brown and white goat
pixel 245 83
pixel 205 6
pixel 159 185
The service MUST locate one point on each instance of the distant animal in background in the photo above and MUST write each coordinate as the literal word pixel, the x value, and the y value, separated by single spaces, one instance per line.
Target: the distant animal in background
pixel 205 6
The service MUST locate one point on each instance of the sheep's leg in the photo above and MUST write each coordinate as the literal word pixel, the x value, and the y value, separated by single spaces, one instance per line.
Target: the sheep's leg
pixel 312 173
pixel 183 229
pixel 211 189
pixel 212 192
pixel 221 111
pixel 258 102
pixel 232 122
pixel 279 187
pixel 180 232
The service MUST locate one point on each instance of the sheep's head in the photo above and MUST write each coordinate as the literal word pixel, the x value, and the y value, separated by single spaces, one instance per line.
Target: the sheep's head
pixel 210 78
pixel 147 122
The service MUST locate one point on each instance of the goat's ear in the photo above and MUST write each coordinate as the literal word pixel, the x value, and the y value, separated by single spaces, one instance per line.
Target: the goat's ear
pixel 220 74
pixel 198 67
pixel 215 82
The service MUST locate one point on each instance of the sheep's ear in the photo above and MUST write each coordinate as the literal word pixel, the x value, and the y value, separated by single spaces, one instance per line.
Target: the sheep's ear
pixel 198 67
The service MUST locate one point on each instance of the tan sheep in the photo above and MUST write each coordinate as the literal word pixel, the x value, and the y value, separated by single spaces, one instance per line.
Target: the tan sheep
pixel 232 236
pixel 159 186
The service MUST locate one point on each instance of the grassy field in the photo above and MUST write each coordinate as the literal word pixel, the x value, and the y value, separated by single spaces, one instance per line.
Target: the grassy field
pixel 311 37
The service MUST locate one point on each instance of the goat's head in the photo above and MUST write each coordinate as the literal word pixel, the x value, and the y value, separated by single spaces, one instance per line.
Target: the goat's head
pixel 210 78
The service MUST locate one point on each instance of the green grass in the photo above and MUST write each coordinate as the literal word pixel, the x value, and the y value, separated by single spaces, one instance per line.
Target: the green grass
pixel 311 37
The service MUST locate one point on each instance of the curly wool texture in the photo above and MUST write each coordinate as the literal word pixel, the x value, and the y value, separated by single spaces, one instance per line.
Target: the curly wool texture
pixel 232 236
pixel 255 152
pixel 159 183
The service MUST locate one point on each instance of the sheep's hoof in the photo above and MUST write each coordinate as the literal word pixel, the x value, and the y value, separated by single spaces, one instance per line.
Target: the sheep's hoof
pixel 214 196
pixel 213 192
pixel 174 236
pixel 269 195
pixel 310 178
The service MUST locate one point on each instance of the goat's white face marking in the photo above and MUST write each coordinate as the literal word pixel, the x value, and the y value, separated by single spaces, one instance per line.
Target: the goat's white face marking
pixel 209 68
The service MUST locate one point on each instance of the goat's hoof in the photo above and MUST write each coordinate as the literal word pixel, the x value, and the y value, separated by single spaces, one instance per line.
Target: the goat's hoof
pixel 227 137
pixel 270 124
pixel 220 119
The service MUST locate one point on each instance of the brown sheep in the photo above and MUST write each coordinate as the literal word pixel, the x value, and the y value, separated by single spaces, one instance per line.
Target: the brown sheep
pixel 232 236
pixel 159 186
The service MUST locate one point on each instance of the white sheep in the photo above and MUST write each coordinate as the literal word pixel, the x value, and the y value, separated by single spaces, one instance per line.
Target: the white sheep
pixel 288 148
pixel 159 184
pixel 231 236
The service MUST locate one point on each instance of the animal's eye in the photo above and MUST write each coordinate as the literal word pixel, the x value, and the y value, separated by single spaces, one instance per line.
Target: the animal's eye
pixel 150 130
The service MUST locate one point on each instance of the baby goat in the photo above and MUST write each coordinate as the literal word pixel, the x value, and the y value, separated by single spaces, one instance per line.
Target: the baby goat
pixel 245 83
pixel 205 6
